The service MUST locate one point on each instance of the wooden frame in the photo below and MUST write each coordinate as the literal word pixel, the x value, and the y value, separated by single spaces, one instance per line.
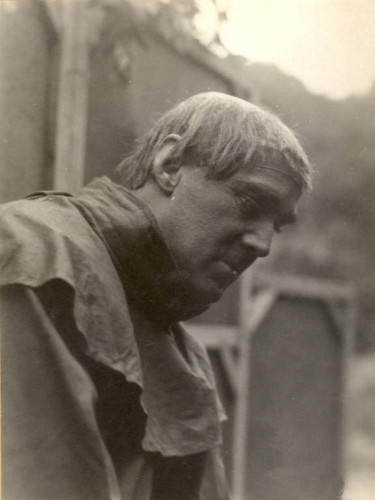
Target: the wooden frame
pixel 77 25
pixel 258 294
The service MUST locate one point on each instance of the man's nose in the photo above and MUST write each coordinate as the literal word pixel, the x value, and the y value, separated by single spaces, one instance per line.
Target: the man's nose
pixel 259 240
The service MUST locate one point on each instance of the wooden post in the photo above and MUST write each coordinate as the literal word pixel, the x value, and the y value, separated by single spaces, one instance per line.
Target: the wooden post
pixel 349 331
pixel 78 30
pixel 242 401
pixel 253 310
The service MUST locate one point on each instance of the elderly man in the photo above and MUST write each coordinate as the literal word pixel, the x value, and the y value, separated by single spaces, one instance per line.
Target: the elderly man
pixel 105 395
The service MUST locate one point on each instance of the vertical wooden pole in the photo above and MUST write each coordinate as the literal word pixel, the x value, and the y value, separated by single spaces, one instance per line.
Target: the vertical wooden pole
pixel 76 38
pixel 349 331
pixel 242 401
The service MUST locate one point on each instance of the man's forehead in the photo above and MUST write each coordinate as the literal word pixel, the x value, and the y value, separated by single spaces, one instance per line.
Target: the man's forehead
pixel 268 180
pixel 276 161
pixel 270 187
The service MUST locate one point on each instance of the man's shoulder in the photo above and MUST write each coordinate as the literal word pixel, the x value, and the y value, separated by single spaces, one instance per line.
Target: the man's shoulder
pixel 37 211
pixel 38 238
pixel 40 212
pixel 42 223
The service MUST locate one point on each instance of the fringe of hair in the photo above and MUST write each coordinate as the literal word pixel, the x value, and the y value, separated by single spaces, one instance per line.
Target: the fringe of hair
pixel 220 133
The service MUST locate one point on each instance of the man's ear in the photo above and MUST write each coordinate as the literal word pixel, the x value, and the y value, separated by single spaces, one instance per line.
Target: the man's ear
pixel 165 172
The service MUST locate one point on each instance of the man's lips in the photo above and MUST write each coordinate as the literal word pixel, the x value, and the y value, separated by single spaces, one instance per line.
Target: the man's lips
pixel 225 274
pixel 232 270
pixel 238 268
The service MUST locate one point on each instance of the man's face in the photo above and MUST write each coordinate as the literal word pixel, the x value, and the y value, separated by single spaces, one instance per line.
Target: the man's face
pixel 216 229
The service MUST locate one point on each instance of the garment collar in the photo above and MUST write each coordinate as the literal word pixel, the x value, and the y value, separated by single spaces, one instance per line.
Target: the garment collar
pixel 138 250
pixel 47 240
pixel 179 394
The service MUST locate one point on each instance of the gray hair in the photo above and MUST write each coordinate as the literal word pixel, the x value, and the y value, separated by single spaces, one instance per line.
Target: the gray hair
pixel 220 133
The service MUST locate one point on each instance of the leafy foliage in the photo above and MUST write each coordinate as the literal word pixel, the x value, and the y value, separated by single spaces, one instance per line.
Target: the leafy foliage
pixel 174 19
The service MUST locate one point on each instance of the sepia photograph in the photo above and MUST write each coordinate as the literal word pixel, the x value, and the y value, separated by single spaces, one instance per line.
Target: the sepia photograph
pixel 187 248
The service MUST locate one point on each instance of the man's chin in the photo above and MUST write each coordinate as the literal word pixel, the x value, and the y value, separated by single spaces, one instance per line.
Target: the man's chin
pixel 179 296
pixel 184 305
pixel 198 302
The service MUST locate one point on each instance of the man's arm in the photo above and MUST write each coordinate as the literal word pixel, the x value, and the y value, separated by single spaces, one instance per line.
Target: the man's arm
pixel 52 447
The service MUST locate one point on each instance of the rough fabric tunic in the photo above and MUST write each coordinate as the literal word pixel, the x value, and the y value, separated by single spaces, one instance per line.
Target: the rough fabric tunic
pixel 98 401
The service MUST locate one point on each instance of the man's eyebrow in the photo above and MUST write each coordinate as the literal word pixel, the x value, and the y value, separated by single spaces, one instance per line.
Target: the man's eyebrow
pixel 266 197
pixel 268 200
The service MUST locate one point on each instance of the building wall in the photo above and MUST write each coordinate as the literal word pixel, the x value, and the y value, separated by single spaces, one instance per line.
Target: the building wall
pixel 295 404
pixel 124 101
pixel 111 123
pixel 25 56
pixel 163 77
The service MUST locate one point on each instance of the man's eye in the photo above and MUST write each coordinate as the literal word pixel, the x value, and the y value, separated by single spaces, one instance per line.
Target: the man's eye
pixel 248 206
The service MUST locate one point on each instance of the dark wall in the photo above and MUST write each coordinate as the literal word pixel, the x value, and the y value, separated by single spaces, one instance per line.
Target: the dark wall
pixel 111 123
pixel 125 99
pixel 295 404
pixel 162 77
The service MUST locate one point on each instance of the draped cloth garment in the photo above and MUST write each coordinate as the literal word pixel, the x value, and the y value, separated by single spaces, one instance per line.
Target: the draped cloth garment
pixel 99 401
